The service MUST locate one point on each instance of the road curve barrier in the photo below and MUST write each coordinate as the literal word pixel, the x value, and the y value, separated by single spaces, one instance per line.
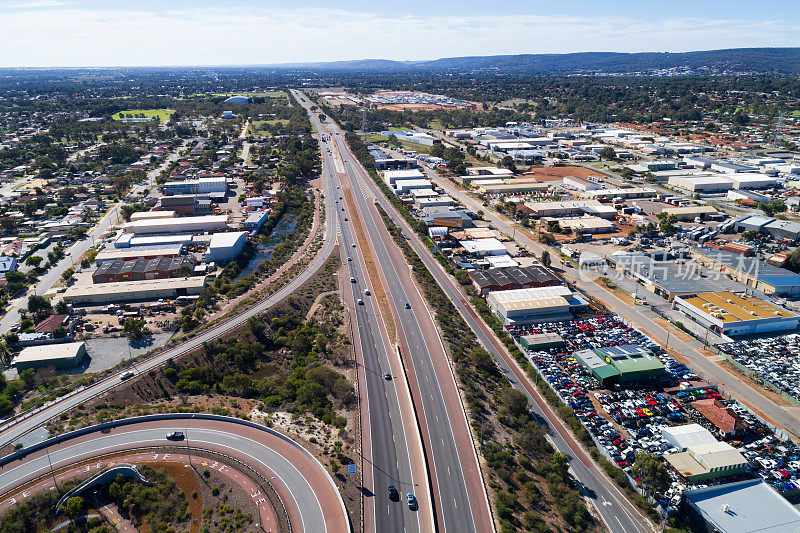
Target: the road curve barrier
pixel 21 454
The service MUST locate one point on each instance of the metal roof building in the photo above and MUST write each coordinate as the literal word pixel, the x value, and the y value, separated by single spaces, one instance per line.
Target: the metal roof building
pixel 66 355
pixel 226 246
pixel 127 291
pixel 748 506
pixel 735 314
pixel 665 278
pixel 751 271
pixel 178 225
pixel 529 306
pixel 627 363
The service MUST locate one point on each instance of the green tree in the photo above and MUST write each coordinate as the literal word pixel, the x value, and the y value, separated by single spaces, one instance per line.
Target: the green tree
pixel 651 472
pixel 68 274
pixel 667 223
pixel 135 328
pixel 34 261
pixel 546 258
pixel 608 153
pixel 38 304
pixel 750 235
pixel 508 163
pixel 74 506
pixel 773 207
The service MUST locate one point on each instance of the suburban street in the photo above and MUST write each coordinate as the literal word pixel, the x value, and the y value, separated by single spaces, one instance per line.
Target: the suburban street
pixel 72 255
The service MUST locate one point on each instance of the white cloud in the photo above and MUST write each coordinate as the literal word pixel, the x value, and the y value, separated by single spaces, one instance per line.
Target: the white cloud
pixel 71 36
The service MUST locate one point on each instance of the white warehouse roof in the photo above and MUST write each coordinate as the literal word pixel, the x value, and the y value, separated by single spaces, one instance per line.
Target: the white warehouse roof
pixel 226 239
pixel 686 436
pixel 177 225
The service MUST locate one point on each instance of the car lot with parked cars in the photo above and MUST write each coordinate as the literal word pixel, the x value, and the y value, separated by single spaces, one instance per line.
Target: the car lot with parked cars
pixel 776 360
pixel 629 420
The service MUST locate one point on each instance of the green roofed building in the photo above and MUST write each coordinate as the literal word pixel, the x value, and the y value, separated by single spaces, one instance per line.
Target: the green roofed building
pixel 541 341
pixel 628 363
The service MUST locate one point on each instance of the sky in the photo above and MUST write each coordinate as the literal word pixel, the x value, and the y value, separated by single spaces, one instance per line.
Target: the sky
pixel 46 33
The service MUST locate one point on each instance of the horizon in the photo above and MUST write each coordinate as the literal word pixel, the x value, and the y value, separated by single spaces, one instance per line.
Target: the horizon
pixel 363 59
pixel 94 34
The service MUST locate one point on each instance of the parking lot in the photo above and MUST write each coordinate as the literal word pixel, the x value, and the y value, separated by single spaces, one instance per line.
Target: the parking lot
pixel 627 420
pixel 775 359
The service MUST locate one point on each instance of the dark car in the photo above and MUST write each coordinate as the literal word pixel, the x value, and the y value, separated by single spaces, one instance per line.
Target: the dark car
pixel 393 494
pixel 408 305
pixel 175 435
pixel 411 500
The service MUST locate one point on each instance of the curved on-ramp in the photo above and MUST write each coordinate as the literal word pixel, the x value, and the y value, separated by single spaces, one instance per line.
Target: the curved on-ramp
pixel 308 492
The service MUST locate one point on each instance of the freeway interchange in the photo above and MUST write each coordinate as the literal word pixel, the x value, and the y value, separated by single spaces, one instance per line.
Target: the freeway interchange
pixel 415 432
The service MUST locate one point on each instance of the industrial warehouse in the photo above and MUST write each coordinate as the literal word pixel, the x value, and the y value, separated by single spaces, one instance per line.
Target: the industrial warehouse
pixel 735 314
pixel 530 306
pixel 623 364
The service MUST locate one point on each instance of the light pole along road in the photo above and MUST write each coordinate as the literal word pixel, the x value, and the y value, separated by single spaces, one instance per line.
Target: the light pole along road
pixel 458 490
pixel 309 494
pixel 618 513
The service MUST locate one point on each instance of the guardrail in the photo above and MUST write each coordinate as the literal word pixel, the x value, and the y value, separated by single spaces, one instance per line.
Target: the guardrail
pixel 21 454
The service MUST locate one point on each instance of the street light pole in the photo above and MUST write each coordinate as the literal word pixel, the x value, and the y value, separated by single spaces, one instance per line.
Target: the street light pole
pixel 52 473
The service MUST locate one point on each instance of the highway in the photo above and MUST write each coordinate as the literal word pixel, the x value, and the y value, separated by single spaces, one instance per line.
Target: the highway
pixel 387 454
pixel 619 515
pixel 457 485
pixel 309 493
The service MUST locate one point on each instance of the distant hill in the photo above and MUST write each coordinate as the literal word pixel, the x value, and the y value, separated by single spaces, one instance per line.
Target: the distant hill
pixel 733 60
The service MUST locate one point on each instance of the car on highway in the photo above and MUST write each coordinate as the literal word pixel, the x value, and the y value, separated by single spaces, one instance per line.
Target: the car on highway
pixel 345 219
pixel 408 305
pixel 349 258
pixel 387 376
pixel 360 301
pixel 352 280
pixel 411 500
pixel 393 494
pixel 367 293
pixel 354 244
pixel 127 375
pixel 175 435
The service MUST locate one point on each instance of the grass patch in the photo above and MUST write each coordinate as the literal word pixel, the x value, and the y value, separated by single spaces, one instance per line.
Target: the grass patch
pixel 161 114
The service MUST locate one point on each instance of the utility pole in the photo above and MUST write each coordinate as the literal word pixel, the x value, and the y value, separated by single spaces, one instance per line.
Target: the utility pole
pixel 52 473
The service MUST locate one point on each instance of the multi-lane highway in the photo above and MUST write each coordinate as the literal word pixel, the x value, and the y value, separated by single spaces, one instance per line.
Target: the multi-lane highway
pixel 308 492
pixel 457 485
pixel 392 449
pixel 614 508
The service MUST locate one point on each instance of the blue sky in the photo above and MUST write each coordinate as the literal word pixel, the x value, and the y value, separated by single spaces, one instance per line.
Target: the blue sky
pixel 147 32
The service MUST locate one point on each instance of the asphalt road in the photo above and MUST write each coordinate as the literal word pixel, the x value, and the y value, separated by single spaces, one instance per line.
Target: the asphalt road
pixel 457 484
pixel 306 489
pixel 389 459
